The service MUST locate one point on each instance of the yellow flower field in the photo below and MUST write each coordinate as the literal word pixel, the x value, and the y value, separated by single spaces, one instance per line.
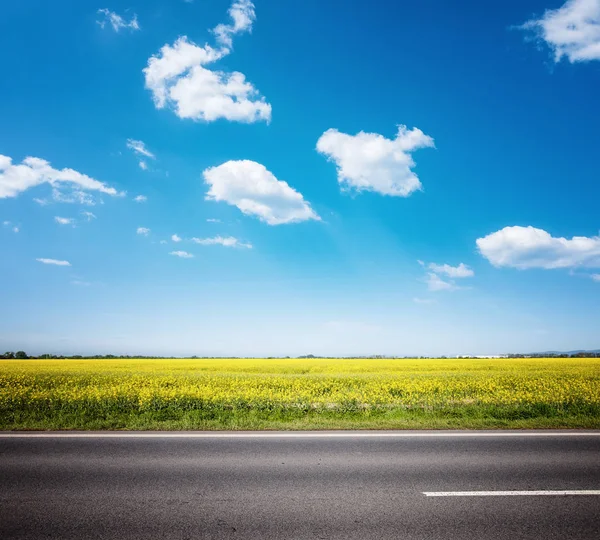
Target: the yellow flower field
pixel 299 393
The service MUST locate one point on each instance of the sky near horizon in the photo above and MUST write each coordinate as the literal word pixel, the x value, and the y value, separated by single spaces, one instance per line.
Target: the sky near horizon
pixel 284 178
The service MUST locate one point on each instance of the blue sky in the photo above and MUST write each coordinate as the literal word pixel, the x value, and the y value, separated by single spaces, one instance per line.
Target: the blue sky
pixel 281 178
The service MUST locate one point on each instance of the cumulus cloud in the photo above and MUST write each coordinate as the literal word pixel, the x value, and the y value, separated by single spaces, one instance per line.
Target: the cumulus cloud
pixel 528 247
pixel 143 231
pixel 116 21
pixel 242 15
pixel 571 31
pixel 257 192
pixel 178 77
pixel 460 271
pixel 63 220
pixel 140 198
pixel 54 262
pixel 371 162
pixel 229 241
pixel 175 238
pixel 33 171
pixel 182 254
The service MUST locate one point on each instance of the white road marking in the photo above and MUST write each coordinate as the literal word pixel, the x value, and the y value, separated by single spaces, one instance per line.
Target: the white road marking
pixel 511 493
pixel 292 434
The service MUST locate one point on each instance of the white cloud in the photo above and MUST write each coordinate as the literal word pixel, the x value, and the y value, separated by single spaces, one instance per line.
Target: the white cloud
pixel 182 254
pixel 41 202
pixel 436 283
pixel 88 215
pixel 595 277
pixel 176 238
pixel 63 220
pixel 178 78
pixel 423 301
pixel 460 271
pixel 14 228
pixel 54 262
pixel 370 162
pixel 73 196
pixel 528 247
pixel 139 148
pixel 211 220
pixel 140 198
pixel 116 21
pixel 243 15
pixel 573 30
pixel 143 231
pixel 143 165
pixel 257 192
pixel 229 241
pixel 33 171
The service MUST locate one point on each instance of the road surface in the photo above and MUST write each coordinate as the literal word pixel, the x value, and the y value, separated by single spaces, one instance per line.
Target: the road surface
pixel 391 485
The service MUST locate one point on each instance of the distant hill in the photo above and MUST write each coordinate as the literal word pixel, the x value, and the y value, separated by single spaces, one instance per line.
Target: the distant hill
pixel 593 351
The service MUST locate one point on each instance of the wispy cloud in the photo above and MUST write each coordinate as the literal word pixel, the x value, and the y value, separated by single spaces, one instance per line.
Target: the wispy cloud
pixel 14 179
pixel 460 271
pixel 140 198
pixel 436 283
pixel 595 277
pixel 229 241
pixel 14 228
pixel 182 254
pixel 88 215
pixel 63 220
pixel 571 31
pixel 54 262
pixel 116 21
pixel 80 283
pixel 139 148
pixel 212 220
pixel 143 231
pixel 424 301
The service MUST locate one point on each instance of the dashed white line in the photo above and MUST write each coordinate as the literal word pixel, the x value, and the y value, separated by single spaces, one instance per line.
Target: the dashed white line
pixel 535 493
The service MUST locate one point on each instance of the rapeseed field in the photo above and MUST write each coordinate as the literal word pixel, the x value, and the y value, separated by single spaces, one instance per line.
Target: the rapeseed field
pixel 299 393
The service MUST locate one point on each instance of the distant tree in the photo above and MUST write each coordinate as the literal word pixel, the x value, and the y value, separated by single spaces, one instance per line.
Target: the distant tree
pixel 21 355
pixel 8 355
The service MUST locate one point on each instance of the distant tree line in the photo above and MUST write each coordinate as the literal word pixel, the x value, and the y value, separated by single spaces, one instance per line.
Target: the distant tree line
pixel 22 355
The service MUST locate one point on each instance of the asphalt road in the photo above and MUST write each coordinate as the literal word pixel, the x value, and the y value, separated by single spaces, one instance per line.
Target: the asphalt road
pixel 298 487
